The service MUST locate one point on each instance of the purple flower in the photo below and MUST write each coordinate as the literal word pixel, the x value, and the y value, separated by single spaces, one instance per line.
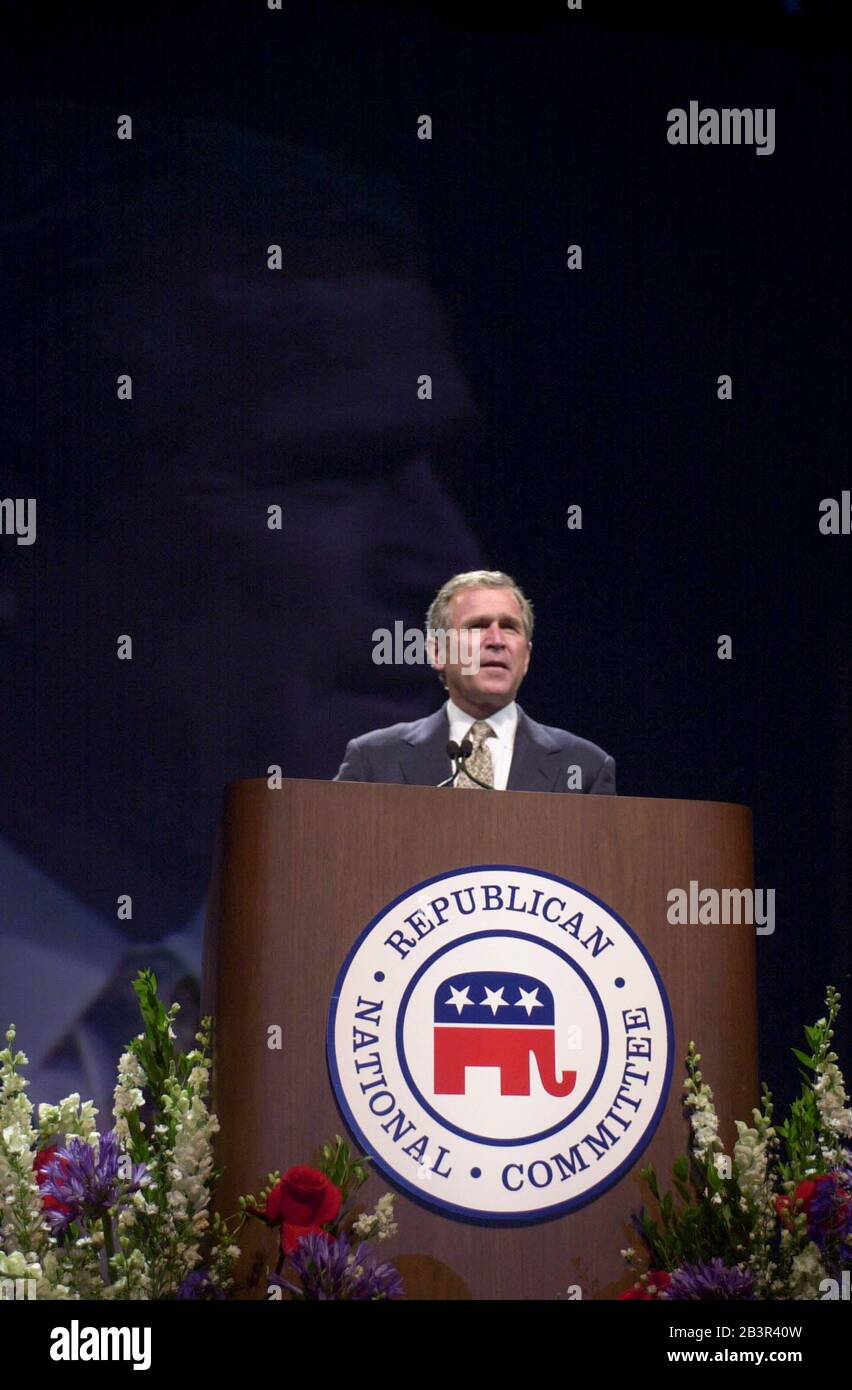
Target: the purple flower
pixel 88 1182
pixel 329 1269
pixel 715 1280
pixel 199 1285
pixel 830 1207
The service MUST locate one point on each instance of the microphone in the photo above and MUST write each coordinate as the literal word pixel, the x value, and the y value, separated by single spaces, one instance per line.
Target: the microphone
pixel 454 753
pixel 458 755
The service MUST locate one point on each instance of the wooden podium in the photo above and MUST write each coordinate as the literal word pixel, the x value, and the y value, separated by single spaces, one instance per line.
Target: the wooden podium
pixel 300 872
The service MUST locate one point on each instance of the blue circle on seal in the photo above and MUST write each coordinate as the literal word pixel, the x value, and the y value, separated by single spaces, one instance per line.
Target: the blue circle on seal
pixel 430 1108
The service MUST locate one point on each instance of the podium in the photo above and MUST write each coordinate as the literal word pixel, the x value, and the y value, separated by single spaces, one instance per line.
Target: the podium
pixel 307 871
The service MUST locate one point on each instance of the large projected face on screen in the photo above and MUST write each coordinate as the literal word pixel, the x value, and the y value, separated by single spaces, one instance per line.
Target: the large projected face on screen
pixel 305 509
pixel 220 353
pixel 238 479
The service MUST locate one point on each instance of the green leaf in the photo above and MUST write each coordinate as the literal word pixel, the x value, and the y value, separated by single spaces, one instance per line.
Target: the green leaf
pixel 680 1168
pixel 683 1191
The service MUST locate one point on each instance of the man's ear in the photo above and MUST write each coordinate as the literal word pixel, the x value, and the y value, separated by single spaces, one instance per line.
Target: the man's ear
pixel 433 657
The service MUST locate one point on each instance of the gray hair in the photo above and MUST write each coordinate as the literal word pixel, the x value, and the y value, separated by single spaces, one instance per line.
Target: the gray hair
pixel 438 617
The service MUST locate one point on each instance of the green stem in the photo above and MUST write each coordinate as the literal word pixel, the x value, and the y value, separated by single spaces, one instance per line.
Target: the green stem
pixel 109 1244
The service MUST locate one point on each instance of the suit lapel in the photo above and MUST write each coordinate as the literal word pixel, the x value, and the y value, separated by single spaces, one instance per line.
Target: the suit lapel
pixel 424 761
pixel 535 759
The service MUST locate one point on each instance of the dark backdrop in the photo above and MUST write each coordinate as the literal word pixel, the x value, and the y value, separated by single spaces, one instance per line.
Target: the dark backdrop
pixel 599 387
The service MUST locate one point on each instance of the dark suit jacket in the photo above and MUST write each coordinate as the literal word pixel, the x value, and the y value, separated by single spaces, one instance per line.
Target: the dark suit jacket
pixel 417 753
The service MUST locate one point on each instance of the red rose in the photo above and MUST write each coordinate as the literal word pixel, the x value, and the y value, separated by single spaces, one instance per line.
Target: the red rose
pixel 41 1160
pixel 301 1203
pixel 658 1280
pixel 40 1165
pixel 801 1199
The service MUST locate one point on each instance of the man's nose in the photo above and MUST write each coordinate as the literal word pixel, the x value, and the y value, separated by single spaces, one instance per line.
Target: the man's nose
pixel 494 635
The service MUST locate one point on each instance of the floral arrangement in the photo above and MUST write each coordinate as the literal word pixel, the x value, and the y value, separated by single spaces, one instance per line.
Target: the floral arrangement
pixel 120 1214
pixel 314 1212
pixel 125 1214
pixel 772 1220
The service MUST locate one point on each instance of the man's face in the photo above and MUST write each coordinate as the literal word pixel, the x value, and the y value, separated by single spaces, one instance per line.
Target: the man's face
pixel 270 631
pixel 500 648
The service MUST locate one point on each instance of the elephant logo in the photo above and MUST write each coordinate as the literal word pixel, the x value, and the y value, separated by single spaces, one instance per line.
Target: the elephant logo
pixel 496 1019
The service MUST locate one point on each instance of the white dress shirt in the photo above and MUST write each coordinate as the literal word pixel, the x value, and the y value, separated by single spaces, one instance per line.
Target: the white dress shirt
pixel 501 746
pixel 56 957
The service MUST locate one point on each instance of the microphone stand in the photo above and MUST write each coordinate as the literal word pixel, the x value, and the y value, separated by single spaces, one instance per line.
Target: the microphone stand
pixel 459 756
pixel 454 753
pixel 463 768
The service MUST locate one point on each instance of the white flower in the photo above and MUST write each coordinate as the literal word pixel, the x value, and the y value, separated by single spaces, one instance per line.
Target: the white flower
pixel 806 1273
pixel 128 1096
pixel 19 1266
pixel 703 1118
pixel 831 1099
pixel 751 1159
pixel 378 1224
pixel 16 1140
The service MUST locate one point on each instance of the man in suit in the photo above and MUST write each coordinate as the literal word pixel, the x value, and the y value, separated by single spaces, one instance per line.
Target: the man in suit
pixel 510 750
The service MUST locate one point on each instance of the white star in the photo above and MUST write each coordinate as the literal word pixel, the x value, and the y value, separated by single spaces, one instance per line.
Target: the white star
pixel 493 999
pixel 527 1000
pixel 459 998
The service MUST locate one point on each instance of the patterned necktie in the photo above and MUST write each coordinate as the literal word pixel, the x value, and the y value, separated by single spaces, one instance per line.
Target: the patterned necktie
pixel 479 762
